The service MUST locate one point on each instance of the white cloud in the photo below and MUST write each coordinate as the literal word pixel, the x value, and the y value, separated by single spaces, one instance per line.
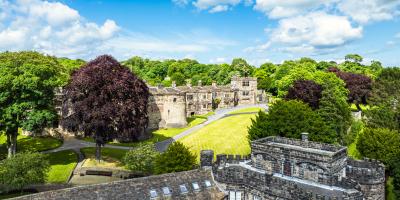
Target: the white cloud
pixel 364 11
pixel 181 3
pixel 397 35
pixel 215 5
pixel 279 9
pixel 218 60
pixel 219 8
pixel 258 48
pixel 315 30
pixel 56 29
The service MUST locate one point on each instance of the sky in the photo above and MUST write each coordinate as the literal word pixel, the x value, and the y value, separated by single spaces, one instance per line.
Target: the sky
pixel 210 31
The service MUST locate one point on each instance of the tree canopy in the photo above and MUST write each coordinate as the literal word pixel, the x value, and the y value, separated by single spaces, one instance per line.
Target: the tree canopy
pixel 176 158
pixel 307 91
pixel 290 119
pixel 27 83
pixel 106 101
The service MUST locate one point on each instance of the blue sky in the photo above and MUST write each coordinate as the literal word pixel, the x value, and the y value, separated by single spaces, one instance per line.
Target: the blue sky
pixel 211 31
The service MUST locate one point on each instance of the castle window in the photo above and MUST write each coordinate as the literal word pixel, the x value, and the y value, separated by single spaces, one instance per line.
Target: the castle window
pixel 183 189
pixel 204 96
pixel 227 95
pixel 196 186
pixel 245 93
pixel 245 83
pixel 204 105
pixel 207 183
pixel 255 197
pixel 166 191
pixel 153 194
pixel 235 195
pixel 174 99
pixel 190 97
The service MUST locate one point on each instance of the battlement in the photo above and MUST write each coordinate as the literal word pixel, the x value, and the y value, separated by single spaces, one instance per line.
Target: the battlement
pixel 366 171
pixel 305 145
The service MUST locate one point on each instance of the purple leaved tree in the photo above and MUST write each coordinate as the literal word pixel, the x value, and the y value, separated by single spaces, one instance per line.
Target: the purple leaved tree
pixel 106 101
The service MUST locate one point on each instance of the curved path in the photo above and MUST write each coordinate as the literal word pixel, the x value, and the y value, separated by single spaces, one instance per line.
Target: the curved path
pixel 71 143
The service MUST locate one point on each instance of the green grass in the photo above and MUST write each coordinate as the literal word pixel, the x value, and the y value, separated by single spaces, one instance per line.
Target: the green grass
pixel 353 152
pixel 163 134
pixel 106 153
pixel 227 135
pixel 62 163
pixel 246 110
pixel 353 107
pixel 26 143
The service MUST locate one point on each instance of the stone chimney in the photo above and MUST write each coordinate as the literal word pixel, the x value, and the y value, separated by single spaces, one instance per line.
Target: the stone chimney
pixel 189 83
pixel 206 158
pixel 214 84
pixel 173 84
pixel 199 83
pixel 304 137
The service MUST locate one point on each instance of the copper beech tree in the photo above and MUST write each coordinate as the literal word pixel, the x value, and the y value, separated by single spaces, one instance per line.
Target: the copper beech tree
pixel 106 101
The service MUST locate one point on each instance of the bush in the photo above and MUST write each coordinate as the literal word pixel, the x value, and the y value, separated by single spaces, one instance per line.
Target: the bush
pixel 23 169
pixel 141 159
pixel 355 129
pixel 177 158
pixel 290 119
pixel 379 143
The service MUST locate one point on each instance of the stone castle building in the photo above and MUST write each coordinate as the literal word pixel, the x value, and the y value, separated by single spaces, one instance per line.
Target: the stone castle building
pixel 170 106
pixel 277 169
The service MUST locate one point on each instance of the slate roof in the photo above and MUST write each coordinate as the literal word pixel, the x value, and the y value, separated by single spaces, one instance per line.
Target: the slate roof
pixel 194 184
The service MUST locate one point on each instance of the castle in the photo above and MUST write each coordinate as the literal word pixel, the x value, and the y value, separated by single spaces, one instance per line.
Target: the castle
pixel 169 107
pixel 278 168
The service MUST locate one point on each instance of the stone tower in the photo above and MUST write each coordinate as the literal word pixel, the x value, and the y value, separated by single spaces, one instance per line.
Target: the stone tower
pixel 246 89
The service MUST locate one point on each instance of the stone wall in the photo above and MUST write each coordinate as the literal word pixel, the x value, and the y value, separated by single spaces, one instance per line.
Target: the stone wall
pixel 370 174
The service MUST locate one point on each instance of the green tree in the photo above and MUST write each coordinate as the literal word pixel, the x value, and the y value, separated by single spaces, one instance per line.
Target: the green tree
pixel 379 143
pixel 290 119
pixel 353 58
pixel 258 126
pixel 240 65
pixel 386 88
pixel 27 83
pixel 23 169
pixel 176 158
pixel 382 117
pixel 141 159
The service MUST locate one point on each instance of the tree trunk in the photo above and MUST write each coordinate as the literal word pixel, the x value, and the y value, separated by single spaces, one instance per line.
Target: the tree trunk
pixel 98 152
pixel 12 143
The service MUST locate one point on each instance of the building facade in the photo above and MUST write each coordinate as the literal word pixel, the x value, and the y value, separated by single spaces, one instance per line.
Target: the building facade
pixel 170 106
pixel 282 168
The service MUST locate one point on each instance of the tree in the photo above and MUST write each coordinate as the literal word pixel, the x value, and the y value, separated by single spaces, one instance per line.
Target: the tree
pixel 176 158
pixel 240 65
pixel 23 169
pixel 386 88
pixel 382 117
pixel 27 83
pixel 379 143
pixel 290 119
pixel 106 101
pixel 353 58
pixel 141 159
pixel 258 127
pixel 307 91
pixel 359 86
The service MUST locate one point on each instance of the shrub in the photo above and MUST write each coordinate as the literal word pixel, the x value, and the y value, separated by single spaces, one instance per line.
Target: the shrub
pixel 23 169
pixel 379 143
pixel 175 159
pixel 141 159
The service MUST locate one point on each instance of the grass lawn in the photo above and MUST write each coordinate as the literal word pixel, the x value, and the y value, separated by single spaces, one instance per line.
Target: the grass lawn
pixel 163 134
pixel 112 158
pixel 227 135
pixel 62 163
pixel 26 143
pixel 246 110
pixel 353 107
